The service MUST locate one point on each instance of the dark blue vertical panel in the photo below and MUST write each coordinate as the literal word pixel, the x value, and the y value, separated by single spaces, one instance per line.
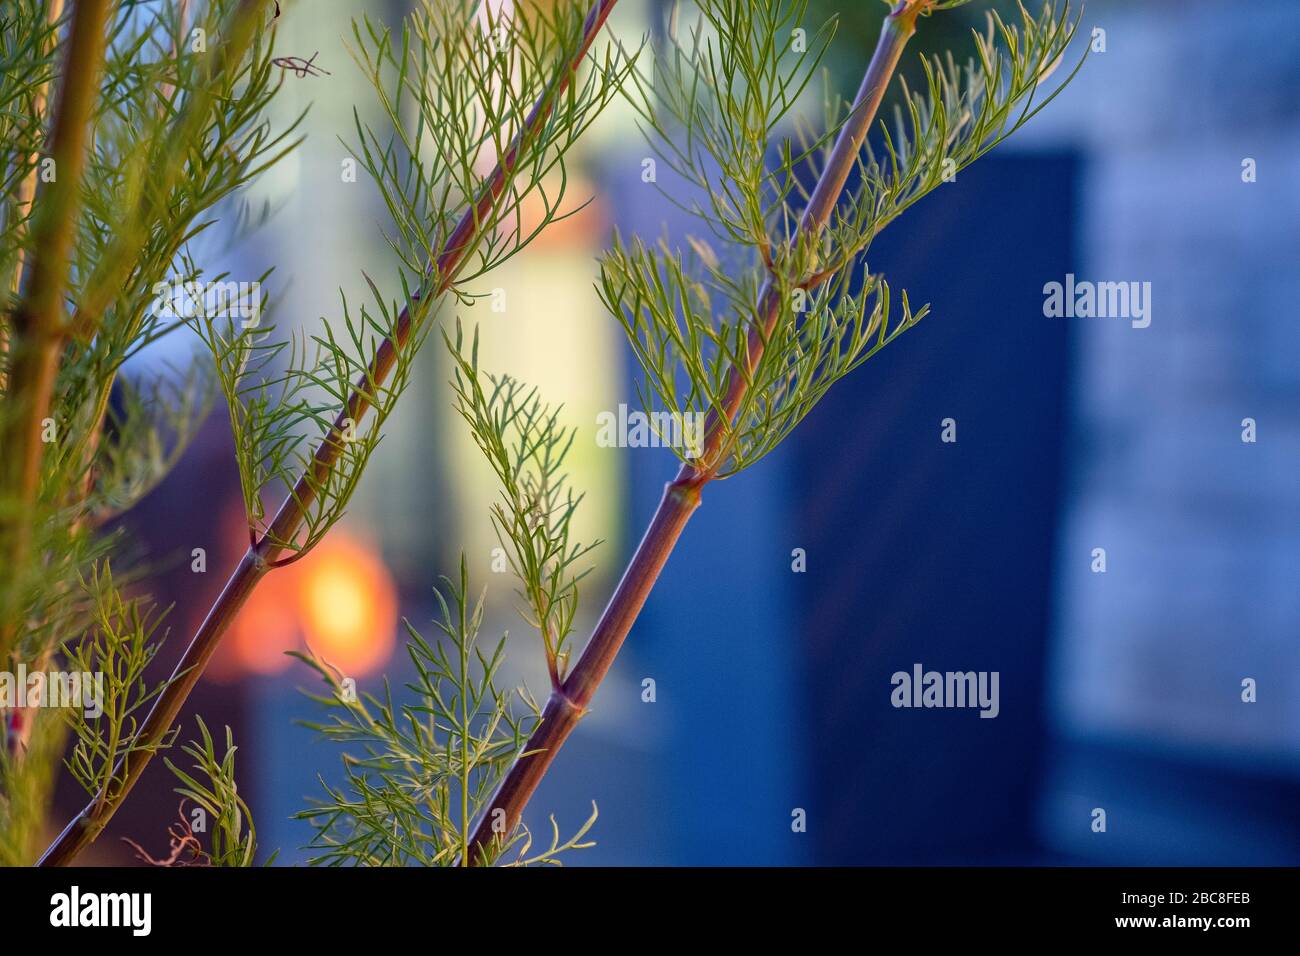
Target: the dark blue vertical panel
pixel 920 551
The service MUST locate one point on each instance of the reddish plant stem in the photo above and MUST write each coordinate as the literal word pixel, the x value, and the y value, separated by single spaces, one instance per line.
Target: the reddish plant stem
pixel 260 558
pixel 681 498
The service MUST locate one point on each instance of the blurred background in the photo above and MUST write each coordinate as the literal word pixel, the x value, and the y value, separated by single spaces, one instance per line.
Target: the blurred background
pixel 1121 689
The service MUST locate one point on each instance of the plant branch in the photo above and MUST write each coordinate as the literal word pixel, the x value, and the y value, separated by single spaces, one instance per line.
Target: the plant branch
pixel 38 322
pixel 120 259
pixel 261 557
pixel 27 191
pixel 681 498
pixel 22 724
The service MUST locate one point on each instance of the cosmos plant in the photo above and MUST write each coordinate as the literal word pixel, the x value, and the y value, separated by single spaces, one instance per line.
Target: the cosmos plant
pixel 123 137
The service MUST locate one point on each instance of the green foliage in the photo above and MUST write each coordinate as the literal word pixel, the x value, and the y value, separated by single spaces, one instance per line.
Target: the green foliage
pixel 430 768
pixel 753 336
pixel 472 87
pixel 26 69
pixel 663 299
pixel 175 133
pixel 212 787
pixel 60 603
pixel 525 444
pixel 426 768
pixel 965 111
pixel 27 777
pixel 177 127
pixel 728 88
pixel 454 95
pixel 118 646
pixel 150 428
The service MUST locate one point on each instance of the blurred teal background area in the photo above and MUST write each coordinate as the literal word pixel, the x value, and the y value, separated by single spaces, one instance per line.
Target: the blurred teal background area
pixel 1120 690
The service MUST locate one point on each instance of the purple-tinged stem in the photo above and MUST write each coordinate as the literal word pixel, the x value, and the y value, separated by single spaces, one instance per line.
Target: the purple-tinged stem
pixel 260 558
pixel 567 704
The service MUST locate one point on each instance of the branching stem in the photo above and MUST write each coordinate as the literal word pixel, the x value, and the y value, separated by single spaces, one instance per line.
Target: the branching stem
pixel 681 498
pixel 259 559
pixel 39 330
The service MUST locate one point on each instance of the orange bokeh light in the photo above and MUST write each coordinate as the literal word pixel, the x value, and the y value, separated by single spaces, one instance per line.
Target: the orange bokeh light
pixel 340 599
